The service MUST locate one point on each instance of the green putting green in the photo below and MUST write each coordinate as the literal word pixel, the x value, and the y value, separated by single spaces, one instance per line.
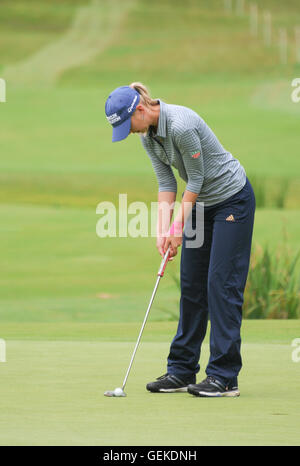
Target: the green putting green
pixel 52 388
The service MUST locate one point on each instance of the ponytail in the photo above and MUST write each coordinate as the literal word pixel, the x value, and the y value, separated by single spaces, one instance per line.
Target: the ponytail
pixel 144 93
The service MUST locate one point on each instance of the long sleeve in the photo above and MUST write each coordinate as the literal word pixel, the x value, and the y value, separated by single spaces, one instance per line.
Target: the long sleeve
pixel 164 173
pixel 189 145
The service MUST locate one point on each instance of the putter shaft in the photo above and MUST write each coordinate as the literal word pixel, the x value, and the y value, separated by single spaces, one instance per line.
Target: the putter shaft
pixel 160 274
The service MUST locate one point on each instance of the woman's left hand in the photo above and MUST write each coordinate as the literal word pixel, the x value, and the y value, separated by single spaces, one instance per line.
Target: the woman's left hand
pixel 174 242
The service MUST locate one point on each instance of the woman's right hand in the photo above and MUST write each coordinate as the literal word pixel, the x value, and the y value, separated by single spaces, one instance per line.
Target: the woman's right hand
pixel 160 243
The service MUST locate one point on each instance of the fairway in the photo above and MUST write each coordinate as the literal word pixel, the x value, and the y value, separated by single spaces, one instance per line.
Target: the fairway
pixel 52 390
pixel 66 273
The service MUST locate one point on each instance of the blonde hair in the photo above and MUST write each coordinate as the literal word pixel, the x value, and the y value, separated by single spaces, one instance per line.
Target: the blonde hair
pixel 144 93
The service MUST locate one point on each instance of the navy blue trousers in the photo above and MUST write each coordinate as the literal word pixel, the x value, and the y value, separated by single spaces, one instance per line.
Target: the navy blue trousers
pixel 213 278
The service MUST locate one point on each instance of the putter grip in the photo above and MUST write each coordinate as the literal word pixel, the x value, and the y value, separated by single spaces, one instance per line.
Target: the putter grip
pixel 164 263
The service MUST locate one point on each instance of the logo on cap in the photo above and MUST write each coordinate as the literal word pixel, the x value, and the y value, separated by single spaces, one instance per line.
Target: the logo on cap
pixel 113 118
pixel 132 105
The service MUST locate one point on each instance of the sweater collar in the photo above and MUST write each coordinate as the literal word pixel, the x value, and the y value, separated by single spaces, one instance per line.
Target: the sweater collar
pixel 162 122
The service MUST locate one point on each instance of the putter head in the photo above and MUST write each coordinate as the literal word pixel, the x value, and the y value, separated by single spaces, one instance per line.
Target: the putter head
pixel 115 393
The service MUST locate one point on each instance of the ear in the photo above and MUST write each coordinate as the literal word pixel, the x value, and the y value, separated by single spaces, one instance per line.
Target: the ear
pixel 140 107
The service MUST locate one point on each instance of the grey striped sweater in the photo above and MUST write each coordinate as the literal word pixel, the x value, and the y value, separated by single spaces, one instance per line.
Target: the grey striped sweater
pixel 183 140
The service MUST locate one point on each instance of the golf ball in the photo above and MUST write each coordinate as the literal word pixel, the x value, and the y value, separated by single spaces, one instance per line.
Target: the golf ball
pixel 118 392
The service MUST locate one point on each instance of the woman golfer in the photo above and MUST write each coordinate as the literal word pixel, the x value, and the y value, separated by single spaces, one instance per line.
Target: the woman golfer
pixel 212 275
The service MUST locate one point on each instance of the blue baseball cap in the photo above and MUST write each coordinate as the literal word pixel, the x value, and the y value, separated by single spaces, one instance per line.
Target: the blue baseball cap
pixel 119 107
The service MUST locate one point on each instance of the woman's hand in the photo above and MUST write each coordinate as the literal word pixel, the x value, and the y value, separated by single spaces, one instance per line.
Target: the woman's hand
pixel 160 244
pixel 174 242
pixel 174 237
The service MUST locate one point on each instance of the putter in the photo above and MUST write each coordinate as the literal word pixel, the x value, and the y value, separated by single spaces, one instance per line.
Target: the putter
pixel 120 391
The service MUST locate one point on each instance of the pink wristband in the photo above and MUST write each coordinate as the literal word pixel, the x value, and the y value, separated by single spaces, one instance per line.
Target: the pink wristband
pixel 176 229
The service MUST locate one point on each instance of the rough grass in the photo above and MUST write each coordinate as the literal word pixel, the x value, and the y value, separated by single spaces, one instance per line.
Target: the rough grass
pixel 205 38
